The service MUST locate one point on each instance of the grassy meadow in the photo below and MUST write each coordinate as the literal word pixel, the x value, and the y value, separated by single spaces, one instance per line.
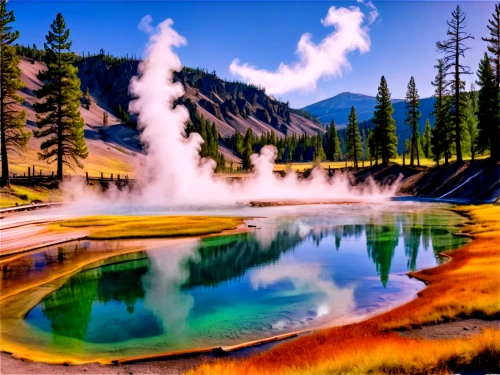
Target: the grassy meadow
pixel 300 167
pixel 19 195
pixel 107 227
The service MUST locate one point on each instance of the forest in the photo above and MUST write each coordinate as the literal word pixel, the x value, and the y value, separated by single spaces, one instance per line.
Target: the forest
pixel 467 120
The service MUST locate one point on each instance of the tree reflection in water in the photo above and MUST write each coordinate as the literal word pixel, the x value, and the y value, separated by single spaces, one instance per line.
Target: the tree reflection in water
pixel 156 287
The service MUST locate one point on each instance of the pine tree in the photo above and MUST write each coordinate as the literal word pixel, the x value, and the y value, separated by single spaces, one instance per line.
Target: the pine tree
pixel 494 41
pixel 406 149
pixel 221 163
pixel 454 48
pixel 385 126
pixel 471 119
pixel 105 118
pixel 353 138
pixel 488 110
pixel 214 149
pixel 372 146
pixel 272 138
pixel 247 149
pixel 426 139
pixel 333 150
pixel 364 146
pixel 319 151
pixel 238 143
pixel 59 115
pixel 209 141
pixel 122 114
pixel 443 132
pixel 87 99
pixel 12 120
pixel 412 116
pixel 204 151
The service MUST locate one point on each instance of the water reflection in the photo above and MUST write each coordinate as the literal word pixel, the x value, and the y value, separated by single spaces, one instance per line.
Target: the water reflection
pixel 291 274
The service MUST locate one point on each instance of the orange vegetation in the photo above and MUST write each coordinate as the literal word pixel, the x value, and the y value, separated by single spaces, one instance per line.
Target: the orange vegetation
pixel 467 285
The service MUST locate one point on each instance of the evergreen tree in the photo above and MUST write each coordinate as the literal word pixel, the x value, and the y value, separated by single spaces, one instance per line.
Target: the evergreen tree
pixel 333 149
pixel 59 115
pixel 372 146
pixel 420 150
pixel 247 149
pixel 453 49
pixel 426 139
pixel 87 99
pixel 406 149
pixel 272 138
pixel 412 117
pixel 122 114
pixel 488 110
pixel 204 151
pixel 209 141
pixel 471 119
pixel 221 163
pixel 494 42
pixel 12 120
pixel 214 147
pixel 353 138
pixel 319 151
pixel 105 118
pixel 443 132
pixel 238 143
pixel 385 126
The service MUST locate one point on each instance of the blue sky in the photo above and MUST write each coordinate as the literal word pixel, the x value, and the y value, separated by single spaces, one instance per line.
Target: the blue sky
pixel 264 34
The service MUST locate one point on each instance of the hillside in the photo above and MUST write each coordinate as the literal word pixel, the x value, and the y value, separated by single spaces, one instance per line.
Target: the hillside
pixel 115 148
pixel 475 181
pixel 233 106
pixel 112 148
pixel 339 106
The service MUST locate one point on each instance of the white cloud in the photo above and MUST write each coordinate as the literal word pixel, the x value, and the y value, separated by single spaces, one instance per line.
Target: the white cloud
pixel 324 60
pixel 373 13
pixel 145 24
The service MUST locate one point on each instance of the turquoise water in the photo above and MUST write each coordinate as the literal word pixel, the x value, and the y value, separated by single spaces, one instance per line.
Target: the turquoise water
pixel 295 272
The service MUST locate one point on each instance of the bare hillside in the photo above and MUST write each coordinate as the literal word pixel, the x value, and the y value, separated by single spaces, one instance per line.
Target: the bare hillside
pixel 232 106
pixel 111 148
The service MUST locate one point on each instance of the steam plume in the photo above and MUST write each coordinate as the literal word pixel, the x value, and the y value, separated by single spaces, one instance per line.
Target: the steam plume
pixel 174 172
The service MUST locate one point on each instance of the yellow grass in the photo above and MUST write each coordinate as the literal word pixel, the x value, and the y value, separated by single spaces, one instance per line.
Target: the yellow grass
pixel 424 162
pixel 94 164
pixel 467 285
pixel 115 227
pixel 25 195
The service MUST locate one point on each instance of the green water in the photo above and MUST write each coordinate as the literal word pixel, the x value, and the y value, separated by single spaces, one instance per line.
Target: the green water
pixel 301 269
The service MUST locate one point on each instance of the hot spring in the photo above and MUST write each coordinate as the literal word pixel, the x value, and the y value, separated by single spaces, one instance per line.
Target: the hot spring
pixel 303 267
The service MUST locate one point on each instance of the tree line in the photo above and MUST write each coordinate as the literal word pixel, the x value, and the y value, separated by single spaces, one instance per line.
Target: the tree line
pixel 35 54
pixel 465 121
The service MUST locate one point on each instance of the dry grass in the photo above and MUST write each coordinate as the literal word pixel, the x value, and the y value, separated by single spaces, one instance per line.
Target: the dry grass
pixel 424 162
pixel 104 159
pixel 116 227
pixel 25 195
pixel 467 285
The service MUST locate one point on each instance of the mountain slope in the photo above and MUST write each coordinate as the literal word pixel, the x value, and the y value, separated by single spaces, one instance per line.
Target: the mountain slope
pixel 339 106
pixel 233 106
pixel 115 148
pixel 112 149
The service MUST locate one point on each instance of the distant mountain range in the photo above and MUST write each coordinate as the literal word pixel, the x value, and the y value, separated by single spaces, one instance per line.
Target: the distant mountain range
pixel 339 107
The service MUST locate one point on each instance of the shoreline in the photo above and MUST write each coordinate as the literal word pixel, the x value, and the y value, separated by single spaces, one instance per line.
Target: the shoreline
pixel 54 282
pixel 190 362
pixel 461 290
